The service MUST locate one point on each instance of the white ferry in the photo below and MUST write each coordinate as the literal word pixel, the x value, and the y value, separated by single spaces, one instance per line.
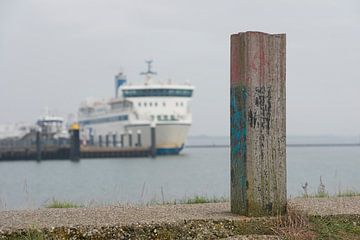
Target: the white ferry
pixel 126 120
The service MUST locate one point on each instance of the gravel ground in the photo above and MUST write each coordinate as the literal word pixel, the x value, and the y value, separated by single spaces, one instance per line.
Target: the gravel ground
pixel 196 221
pixel 124 215
pixel 114 215
pixel 327 206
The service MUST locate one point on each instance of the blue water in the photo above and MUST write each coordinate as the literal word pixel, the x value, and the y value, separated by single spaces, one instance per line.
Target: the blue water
pixel 197 171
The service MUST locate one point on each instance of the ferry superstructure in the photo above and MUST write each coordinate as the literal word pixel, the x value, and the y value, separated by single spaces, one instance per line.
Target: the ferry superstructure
pixel 126 120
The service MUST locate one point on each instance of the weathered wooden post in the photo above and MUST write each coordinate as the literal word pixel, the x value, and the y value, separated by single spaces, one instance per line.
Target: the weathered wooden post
pixel 258 124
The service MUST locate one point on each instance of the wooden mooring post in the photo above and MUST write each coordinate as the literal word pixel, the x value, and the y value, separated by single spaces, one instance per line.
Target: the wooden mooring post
pixel 258 124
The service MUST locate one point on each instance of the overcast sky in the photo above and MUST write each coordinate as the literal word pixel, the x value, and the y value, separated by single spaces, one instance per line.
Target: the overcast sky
pixel 56 53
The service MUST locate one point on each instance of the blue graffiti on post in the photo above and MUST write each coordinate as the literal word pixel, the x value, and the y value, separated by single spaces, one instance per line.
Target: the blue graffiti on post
pixel 238 122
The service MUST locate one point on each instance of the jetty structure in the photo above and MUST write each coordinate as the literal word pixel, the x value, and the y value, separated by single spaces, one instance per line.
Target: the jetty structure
pixel 148 119
pixel 50 139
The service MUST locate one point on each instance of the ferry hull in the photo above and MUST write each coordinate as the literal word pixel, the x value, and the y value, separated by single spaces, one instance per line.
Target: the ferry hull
pixel 170 137
pixel 169 151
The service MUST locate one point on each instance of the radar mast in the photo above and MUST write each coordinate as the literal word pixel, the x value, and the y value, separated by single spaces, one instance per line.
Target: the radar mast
pixel 149 71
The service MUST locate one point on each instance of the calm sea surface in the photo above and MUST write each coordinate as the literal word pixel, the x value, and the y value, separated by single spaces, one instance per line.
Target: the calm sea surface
pixel 197 171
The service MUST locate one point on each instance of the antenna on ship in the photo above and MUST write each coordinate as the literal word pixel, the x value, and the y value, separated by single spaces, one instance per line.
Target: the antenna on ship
pixel 149 72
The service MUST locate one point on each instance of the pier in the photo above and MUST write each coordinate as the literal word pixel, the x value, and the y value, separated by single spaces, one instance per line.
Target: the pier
pixel 73 150
pixel 63 153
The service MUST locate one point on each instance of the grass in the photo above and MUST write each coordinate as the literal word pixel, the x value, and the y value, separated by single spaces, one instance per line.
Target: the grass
pixel 317 195
pixel 336 227
pixel 62 204
pixel 322 193
pixel 197 199
pixel 192 200
pixel 203 199
pixel 30 234
pixel 299 226
pixel 348 193
pixel 293 225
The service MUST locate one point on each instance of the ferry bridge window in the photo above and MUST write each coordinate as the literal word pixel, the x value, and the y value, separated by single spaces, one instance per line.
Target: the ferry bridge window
pixel 145 104
pixel 158 93
pixel 150 104
pixel 159 117
pixel 155 104
pixel 165 117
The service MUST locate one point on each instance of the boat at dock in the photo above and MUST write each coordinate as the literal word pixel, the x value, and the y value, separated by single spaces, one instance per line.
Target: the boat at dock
pixel 126 119
pixel 23 136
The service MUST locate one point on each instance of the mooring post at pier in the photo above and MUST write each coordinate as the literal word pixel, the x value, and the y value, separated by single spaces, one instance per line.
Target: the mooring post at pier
pixel 114 140
pixel 258 124
pixel 38 145
pixel 91 139
pixel 130 138
pixel 100 141
pixel 122 140
pixel 153 140
pixel 74 142
pixel 138 138
pixel 107 141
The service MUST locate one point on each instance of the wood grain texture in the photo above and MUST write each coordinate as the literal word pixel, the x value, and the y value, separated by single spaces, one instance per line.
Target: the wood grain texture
pixel 258 123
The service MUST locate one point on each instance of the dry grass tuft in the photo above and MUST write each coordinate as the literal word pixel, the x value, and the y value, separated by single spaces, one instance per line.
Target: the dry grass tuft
pixel 294 225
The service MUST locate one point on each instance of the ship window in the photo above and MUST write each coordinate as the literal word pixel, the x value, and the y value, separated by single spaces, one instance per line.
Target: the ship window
pixel 145 104
pixel 173 118
pixel 182 104
pixel 159 117
pixel 165 117
pixel 155 104
pixel 164 104
pixel 150 104
pixel 177 104
pixel 158 93
pixel 104 120
pixel 139 104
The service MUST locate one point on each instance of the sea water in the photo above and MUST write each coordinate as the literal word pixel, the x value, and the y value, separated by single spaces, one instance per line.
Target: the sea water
pixel 195 172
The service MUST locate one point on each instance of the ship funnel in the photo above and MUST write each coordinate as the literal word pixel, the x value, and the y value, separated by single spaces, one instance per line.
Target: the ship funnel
pixel 120 79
